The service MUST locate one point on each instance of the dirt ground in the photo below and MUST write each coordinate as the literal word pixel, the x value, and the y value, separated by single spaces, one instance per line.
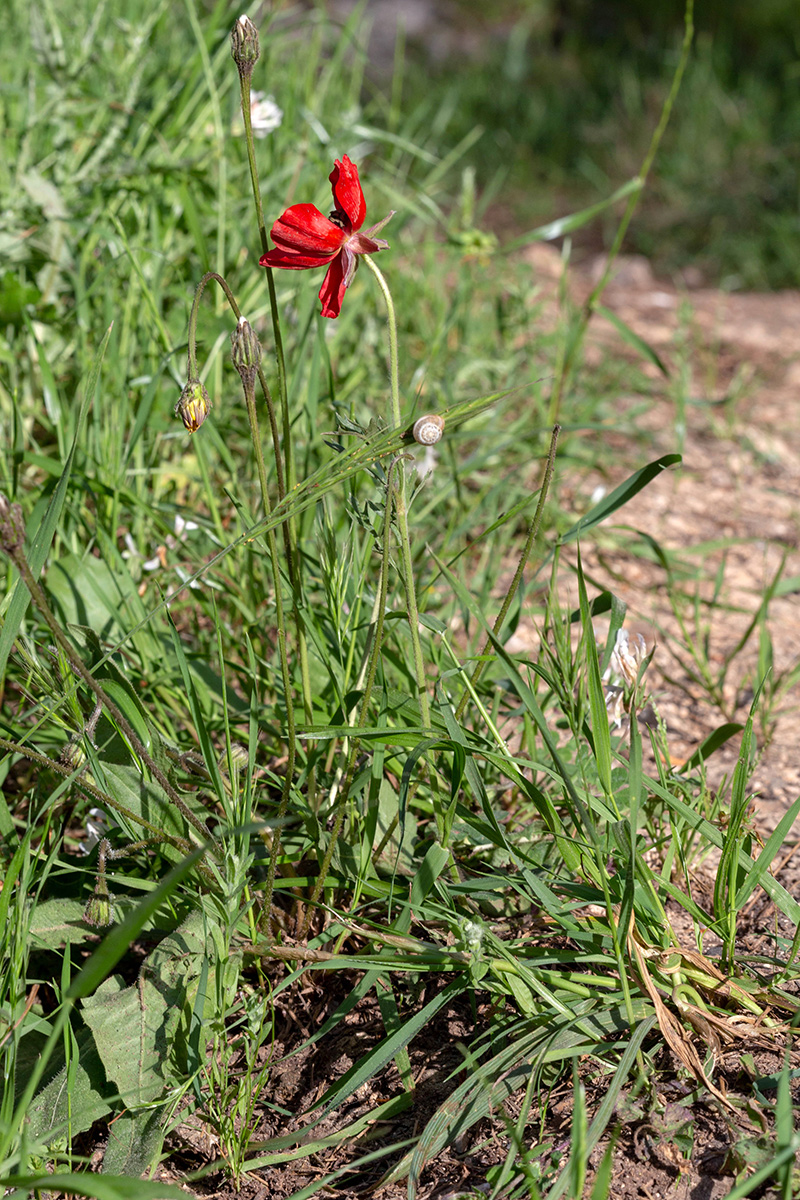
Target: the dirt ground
pixel 731 511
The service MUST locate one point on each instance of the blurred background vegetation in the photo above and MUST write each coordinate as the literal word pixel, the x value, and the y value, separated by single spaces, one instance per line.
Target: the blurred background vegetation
pixel 568 92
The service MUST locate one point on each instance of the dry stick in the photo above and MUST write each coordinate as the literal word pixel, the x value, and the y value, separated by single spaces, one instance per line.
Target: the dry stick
pixel 383 587
pixel 515 582
pixel 12 534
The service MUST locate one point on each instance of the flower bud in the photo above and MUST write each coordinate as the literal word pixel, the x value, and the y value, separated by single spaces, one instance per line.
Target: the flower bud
pixel 194 405
pixel 99 911
pixel 244 45
pixel 245 351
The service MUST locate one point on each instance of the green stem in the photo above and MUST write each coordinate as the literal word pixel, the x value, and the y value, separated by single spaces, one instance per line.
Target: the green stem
pixel 290 536
pixel 577 334
pixel 533 530
pixel 99 797
pixel 401 504
pixel 192 373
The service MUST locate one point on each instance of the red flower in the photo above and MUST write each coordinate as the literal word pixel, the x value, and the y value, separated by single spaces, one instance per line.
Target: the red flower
pixel 304 238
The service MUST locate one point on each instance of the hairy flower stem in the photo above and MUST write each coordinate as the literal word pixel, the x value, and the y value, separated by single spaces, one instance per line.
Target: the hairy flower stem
pixel 533 531
pixel 372 669
pixel 578 332
pixel 292 555
pixel 401 504
pixel 39 599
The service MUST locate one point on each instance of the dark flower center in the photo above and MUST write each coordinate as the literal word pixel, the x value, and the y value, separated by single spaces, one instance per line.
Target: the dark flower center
pixel 339 218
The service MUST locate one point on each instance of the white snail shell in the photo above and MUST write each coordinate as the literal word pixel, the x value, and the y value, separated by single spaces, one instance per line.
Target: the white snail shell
pixel 428 430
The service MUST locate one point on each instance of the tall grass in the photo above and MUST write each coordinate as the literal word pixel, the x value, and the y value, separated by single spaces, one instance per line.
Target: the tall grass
pixel 278 666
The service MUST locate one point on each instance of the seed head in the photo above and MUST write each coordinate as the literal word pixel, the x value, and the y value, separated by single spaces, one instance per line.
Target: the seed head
pixel 194 405
pixel 244 45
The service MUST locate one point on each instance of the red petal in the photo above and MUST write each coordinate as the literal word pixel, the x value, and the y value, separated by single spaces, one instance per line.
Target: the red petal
pixel 333 288
pixel 289 260
pixel 347 193
pixel 302 230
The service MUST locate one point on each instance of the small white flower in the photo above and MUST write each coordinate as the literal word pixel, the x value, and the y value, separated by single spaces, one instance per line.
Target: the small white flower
pixel 265 115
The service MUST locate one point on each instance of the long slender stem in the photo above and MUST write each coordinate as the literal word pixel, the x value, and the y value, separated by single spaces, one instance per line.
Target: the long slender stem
pixel 192 373
pixel 99 797
pixel 288 468
pixel 283 654
pixel 401 504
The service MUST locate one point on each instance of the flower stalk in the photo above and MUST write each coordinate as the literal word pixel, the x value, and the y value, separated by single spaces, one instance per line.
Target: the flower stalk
pixel 401 504
pixel 284 465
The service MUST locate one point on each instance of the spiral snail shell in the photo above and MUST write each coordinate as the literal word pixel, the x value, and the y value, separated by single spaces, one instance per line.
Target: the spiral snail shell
pixel 428 430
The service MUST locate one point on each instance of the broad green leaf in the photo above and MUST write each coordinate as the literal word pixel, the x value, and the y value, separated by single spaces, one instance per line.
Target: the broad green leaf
pixel 134 1027
pixel 134 1142
pixel 102 962
pixel 59 1107
pixel 58 922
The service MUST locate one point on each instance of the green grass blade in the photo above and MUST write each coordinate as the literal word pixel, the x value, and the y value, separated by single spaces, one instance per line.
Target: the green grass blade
pixel 43 538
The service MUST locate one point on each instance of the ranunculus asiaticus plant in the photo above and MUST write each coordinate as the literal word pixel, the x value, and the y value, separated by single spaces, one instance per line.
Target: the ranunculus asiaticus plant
pixel 304 238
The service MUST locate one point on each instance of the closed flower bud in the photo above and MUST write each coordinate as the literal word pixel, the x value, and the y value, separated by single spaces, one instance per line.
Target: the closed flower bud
pixel 245 350
pixel 244 45
pixel 194 405
pixel 99 911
